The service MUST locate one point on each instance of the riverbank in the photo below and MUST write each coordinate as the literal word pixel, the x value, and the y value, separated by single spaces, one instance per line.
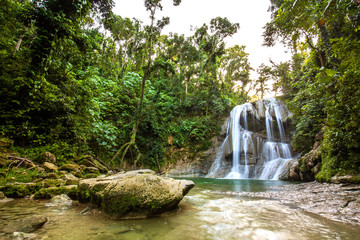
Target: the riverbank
pixel 339 202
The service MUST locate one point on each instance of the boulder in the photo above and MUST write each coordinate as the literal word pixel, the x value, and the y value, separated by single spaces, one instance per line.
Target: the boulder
pixel 71 167
pixel 52 175
pixel 89 161
pixel 50 167
pixel 46 157
pixel 135 194
pixel 290 172
pixel 70 179
pixel 63 201
pixel 25 225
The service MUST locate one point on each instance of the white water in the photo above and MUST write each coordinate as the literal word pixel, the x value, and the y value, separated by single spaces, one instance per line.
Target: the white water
pixel 253 155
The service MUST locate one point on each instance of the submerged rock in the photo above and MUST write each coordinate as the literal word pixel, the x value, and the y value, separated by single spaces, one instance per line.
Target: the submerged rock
pixel 60 202
pixel 24 236
pixel 135 194
pixel 62 199
pixel 25 225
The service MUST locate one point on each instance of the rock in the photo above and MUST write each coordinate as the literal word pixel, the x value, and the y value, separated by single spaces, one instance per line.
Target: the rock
pixel 2 195
pixel 87 210
pixel 89 161
pixel 345 179
pixel 62 201
pixel 48 193
pixel 26 225
pixel 50 167
pixel 46 157
pixel 24 236
pixel 51 183
pixel 71 167
pixel 304 168
pixel 333 201
pixel 52 176
pixel 70 179
pixel 289 172
pixel 135 194
pixel 91 175
pixel 18 190
pixel 92 170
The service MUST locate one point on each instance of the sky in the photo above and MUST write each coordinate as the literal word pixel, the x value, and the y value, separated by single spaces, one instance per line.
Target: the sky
pixel 251 14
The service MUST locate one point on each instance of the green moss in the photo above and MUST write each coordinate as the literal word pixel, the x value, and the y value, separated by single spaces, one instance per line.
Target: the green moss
pixel 71 167
pixel 22 175
pixel 83 195
pixel 52 183
pixel 19 190
pixel 121 205
pixel 47 193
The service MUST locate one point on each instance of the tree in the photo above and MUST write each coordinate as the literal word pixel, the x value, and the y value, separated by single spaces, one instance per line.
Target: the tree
pixel 234 68
pixel 321 90
pixel 152 31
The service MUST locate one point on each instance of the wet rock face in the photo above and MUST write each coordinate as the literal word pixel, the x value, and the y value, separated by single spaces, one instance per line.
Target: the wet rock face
pixel 135 194
pixel 256 119
pixel 304 168
pixel 258 141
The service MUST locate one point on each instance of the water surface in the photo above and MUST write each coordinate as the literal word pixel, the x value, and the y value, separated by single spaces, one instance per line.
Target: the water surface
pixel 211 210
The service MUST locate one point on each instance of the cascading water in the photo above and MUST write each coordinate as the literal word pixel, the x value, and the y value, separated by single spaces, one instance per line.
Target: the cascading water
pixel 256 142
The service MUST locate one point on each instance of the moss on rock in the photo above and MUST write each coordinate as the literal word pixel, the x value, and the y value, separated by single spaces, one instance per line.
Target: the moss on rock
pixel 71 167
pixel 136 194
pixel 48 193
pixel 89 161
pixel 19 190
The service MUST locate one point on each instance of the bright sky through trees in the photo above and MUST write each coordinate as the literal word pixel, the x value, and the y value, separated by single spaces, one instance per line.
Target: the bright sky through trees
pixel 252 16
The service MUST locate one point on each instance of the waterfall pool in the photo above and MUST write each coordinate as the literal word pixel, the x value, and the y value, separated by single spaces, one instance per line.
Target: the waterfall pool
pixel 213 209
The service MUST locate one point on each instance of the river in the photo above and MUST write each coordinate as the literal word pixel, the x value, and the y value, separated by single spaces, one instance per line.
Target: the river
pixel 213 209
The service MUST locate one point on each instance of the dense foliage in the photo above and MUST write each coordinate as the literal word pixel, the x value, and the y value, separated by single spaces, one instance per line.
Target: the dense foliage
pixel 75 79
pixel 322 81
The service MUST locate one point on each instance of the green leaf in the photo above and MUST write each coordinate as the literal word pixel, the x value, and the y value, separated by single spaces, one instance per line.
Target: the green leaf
pixel 330 72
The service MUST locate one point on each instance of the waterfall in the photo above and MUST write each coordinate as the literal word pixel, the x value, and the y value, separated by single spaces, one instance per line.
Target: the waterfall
pixel 256 141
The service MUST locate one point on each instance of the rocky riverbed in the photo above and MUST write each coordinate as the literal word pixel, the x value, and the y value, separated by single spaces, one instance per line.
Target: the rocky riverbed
pixel 339 202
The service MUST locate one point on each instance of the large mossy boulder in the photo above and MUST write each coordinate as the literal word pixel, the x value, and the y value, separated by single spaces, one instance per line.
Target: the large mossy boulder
pixel 135 194
pixel 46 157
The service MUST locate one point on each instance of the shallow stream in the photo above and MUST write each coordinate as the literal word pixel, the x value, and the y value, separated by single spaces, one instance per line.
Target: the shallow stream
pixel 211 210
